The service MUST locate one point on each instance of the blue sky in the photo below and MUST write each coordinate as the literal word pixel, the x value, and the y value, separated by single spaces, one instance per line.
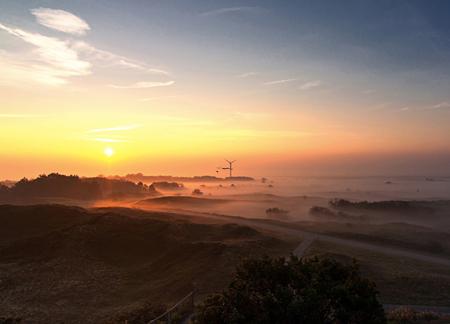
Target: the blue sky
pixel 399 41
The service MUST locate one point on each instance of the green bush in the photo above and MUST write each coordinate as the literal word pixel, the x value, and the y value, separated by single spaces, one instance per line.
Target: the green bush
pixel 404 315
pixel 294 291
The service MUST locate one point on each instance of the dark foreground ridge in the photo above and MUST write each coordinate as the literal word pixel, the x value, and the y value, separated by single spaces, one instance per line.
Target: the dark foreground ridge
pixel 72 265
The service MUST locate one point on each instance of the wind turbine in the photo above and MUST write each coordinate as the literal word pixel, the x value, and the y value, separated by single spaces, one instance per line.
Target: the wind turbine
pixel 230 167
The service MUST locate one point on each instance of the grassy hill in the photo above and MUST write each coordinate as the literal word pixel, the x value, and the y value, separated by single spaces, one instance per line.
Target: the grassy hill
pixel 74 265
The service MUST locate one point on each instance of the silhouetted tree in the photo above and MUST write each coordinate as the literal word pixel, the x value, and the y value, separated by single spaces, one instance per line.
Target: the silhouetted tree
pixel 165 185
pixel 74 187
pixel 197 192
pixel 276 212
pixel 387 205
pixel 294 291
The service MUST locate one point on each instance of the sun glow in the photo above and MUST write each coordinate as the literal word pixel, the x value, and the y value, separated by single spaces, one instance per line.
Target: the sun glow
pixel 108 151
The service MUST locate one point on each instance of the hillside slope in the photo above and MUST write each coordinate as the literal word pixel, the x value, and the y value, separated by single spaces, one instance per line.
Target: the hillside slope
pixel 73 265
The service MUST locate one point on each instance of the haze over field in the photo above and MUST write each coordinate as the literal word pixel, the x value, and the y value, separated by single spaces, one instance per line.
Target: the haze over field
pixel 246 161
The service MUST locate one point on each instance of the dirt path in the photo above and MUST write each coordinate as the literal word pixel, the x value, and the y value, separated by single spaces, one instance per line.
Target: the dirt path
pixel 349 242
pixel 421 308
pixel 306 243
pixel 309 237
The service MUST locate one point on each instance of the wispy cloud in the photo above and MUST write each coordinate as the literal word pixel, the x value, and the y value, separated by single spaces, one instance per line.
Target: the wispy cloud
pixel 144 85
pixel 114 129
pixel 310 85
pixel 59 59
pixel 139 66
pixel 246 75
pixel 53 61
pixel 116 134
pixel 279 81
pixel 114 59
pixel 404 109
pixel 444 104
pixel 61 20
pixel 222 11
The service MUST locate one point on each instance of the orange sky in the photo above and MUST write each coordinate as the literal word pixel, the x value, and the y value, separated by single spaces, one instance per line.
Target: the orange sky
pixel 70 91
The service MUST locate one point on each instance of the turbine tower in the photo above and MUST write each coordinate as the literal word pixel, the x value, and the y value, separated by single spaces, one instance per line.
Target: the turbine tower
pixel 230 167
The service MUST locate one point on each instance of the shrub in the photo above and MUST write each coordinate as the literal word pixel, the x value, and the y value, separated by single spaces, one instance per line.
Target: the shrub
pixel 197 192
pixel 277 212
pixel 404 315
pixel 139 314
pixel 294 291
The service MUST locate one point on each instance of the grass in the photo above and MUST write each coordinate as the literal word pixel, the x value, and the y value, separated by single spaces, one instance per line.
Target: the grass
pixel 405 315
pixel 82 266
pixel 397 235
pixel 399 280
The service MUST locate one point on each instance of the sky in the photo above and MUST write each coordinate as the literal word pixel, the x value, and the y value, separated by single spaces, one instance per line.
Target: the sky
pixel 174 87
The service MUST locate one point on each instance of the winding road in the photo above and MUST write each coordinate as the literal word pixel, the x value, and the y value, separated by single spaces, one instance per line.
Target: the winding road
pixel 309 237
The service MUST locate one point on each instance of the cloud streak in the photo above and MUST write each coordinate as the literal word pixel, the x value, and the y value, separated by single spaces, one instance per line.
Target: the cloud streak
pixel 279 81
pixel 61 20
pixel 59 59
pixel 444 104
pixel 114 59
pixel 310 85
pixel 247 75
pixel 53 61
pixel 110 134
pixel 144 85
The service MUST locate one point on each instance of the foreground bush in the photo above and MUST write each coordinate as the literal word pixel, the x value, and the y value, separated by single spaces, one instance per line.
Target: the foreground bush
pixel 294 291
pixel 9 320
pixel 404 315
pixel 139 314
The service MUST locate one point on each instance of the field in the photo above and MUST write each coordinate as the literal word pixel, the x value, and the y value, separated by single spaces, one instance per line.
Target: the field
pixel 73 265
pixel 101 264
pixel 401 281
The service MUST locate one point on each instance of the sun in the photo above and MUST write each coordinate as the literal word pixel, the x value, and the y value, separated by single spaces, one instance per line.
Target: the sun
pixel 108 151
